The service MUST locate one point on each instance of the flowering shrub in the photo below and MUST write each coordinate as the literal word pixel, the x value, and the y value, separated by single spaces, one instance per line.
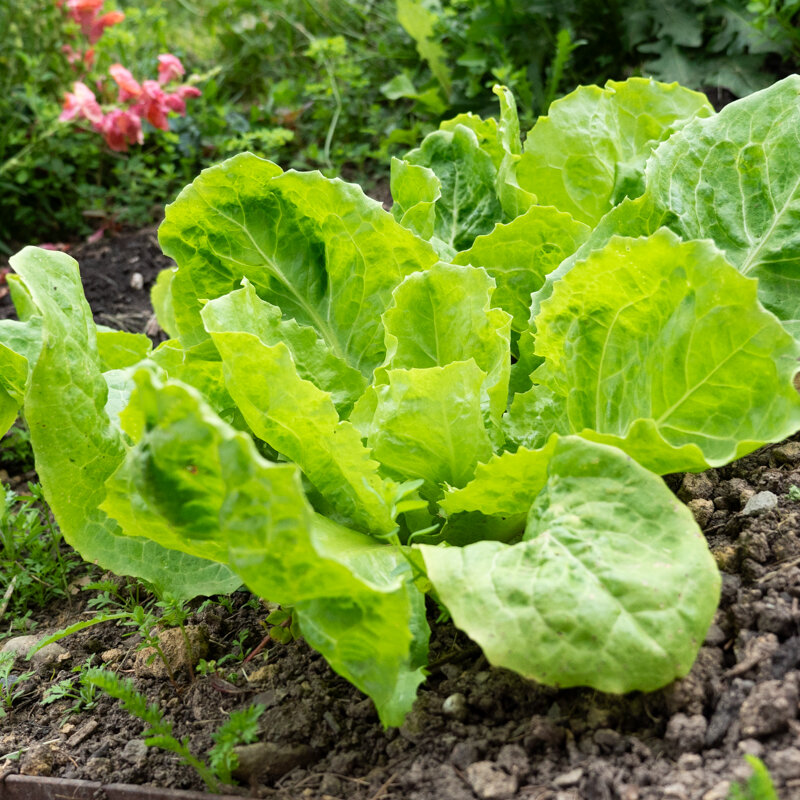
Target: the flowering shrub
pixel 148 100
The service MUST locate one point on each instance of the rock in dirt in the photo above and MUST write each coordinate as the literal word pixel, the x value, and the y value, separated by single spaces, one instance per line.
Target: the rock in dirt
pixel 134 752
pixel 39 760
pixel 20 645
pixel 696 487
pixel 514 760
pixel 758 503
pixel 686 734
pixel 455 705
pixel 490 782
pixel 567 779
pixel 719 791
pixel 768 708
pixel 702 510
pixel 785 764
pixel 786 453
pixel 464 754
pixel 149 665
pixel 268 761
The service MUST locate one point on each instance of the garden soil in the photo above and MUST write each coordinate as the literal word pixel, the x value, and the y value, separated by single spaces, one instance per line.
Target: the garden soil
pixel 475 731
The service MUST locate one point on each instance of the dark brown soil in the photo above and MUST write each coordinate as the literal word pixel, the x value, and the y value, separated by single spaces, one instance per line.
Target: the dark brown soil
pixel 476 731
pixel 117 273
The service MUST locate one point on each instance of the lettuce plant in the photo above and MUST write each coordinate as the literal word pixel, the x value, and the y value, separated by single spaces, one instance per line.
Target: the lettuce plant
pixel 471 397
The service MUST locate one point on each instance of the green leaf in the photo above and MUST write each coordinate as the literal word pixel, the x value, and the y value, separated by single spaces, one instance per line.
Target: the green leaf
pixel 244 311
pixel 519 255
pixel 589 152
pixel 419 19
pixel 297 418
pixel 514 200
pixel 733 178
pixel 201 367
pixel 75 444
pixel 444 315
pixel 194 483
pixel 428 423
pixel 20 345
pixel 662 348
pixel 572 604
pixel 468 206
pixel 120 349
pixel 505 485
pixel 161 298
pixel 319 249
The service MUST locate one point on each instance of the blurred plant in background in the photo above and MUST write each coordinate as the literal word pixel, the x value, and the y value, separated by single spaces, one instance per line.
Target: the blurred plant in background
pixel 338 85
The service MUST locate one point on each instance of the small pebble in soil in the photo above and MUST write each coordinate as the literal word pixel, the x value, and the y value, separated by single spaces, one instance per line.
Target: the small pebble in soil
pixel 20 645
pixel 768 708
pixel 455 706
pixel 763 501
pixel 490 782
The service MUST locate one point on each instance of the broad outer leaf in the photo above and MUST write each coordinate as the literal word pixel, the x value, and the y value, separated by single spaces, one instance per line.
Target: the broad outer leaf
pixel 733 178
pixel 519 255
pixel 444 315
pixel 662 348
pixel 319 249
pixel 297 418
pixel 195 484
pixel 76 446
pixel 589 152
pixel 612 587
pixel 428 423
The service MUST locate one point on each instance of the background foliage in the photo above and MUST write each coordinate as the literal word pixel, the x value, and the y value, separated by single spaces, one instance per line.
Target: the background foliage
pixel 334 84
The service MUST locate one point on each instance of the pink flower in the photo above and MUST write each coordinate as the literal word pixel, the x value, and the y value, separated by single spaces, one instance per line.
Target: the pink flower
pixel 128 85
pixel 153 105
pixel 99 25
pixel 169 68
pixel 188 91
pixel 121 128
pixel 176 100
pixel 81 103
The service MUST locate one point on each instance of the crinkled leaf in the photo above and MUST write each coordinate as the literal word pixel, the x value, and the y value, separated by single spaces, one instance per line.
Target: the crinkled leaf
pixel 576 590
pixel 201 367
pixel 733 178
pixel 120 349
pixel 662 348
pixel 504 485
pixel 428 423
pixel 77 447
pixel 415 191
pixel 297 418
pixel 319 249
pixel 194 483
pixel 589 152
pixel 444 315
pixel 20 345
pixel 519 255
pixel 468 206
pixel 243 310
pixel 161 298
